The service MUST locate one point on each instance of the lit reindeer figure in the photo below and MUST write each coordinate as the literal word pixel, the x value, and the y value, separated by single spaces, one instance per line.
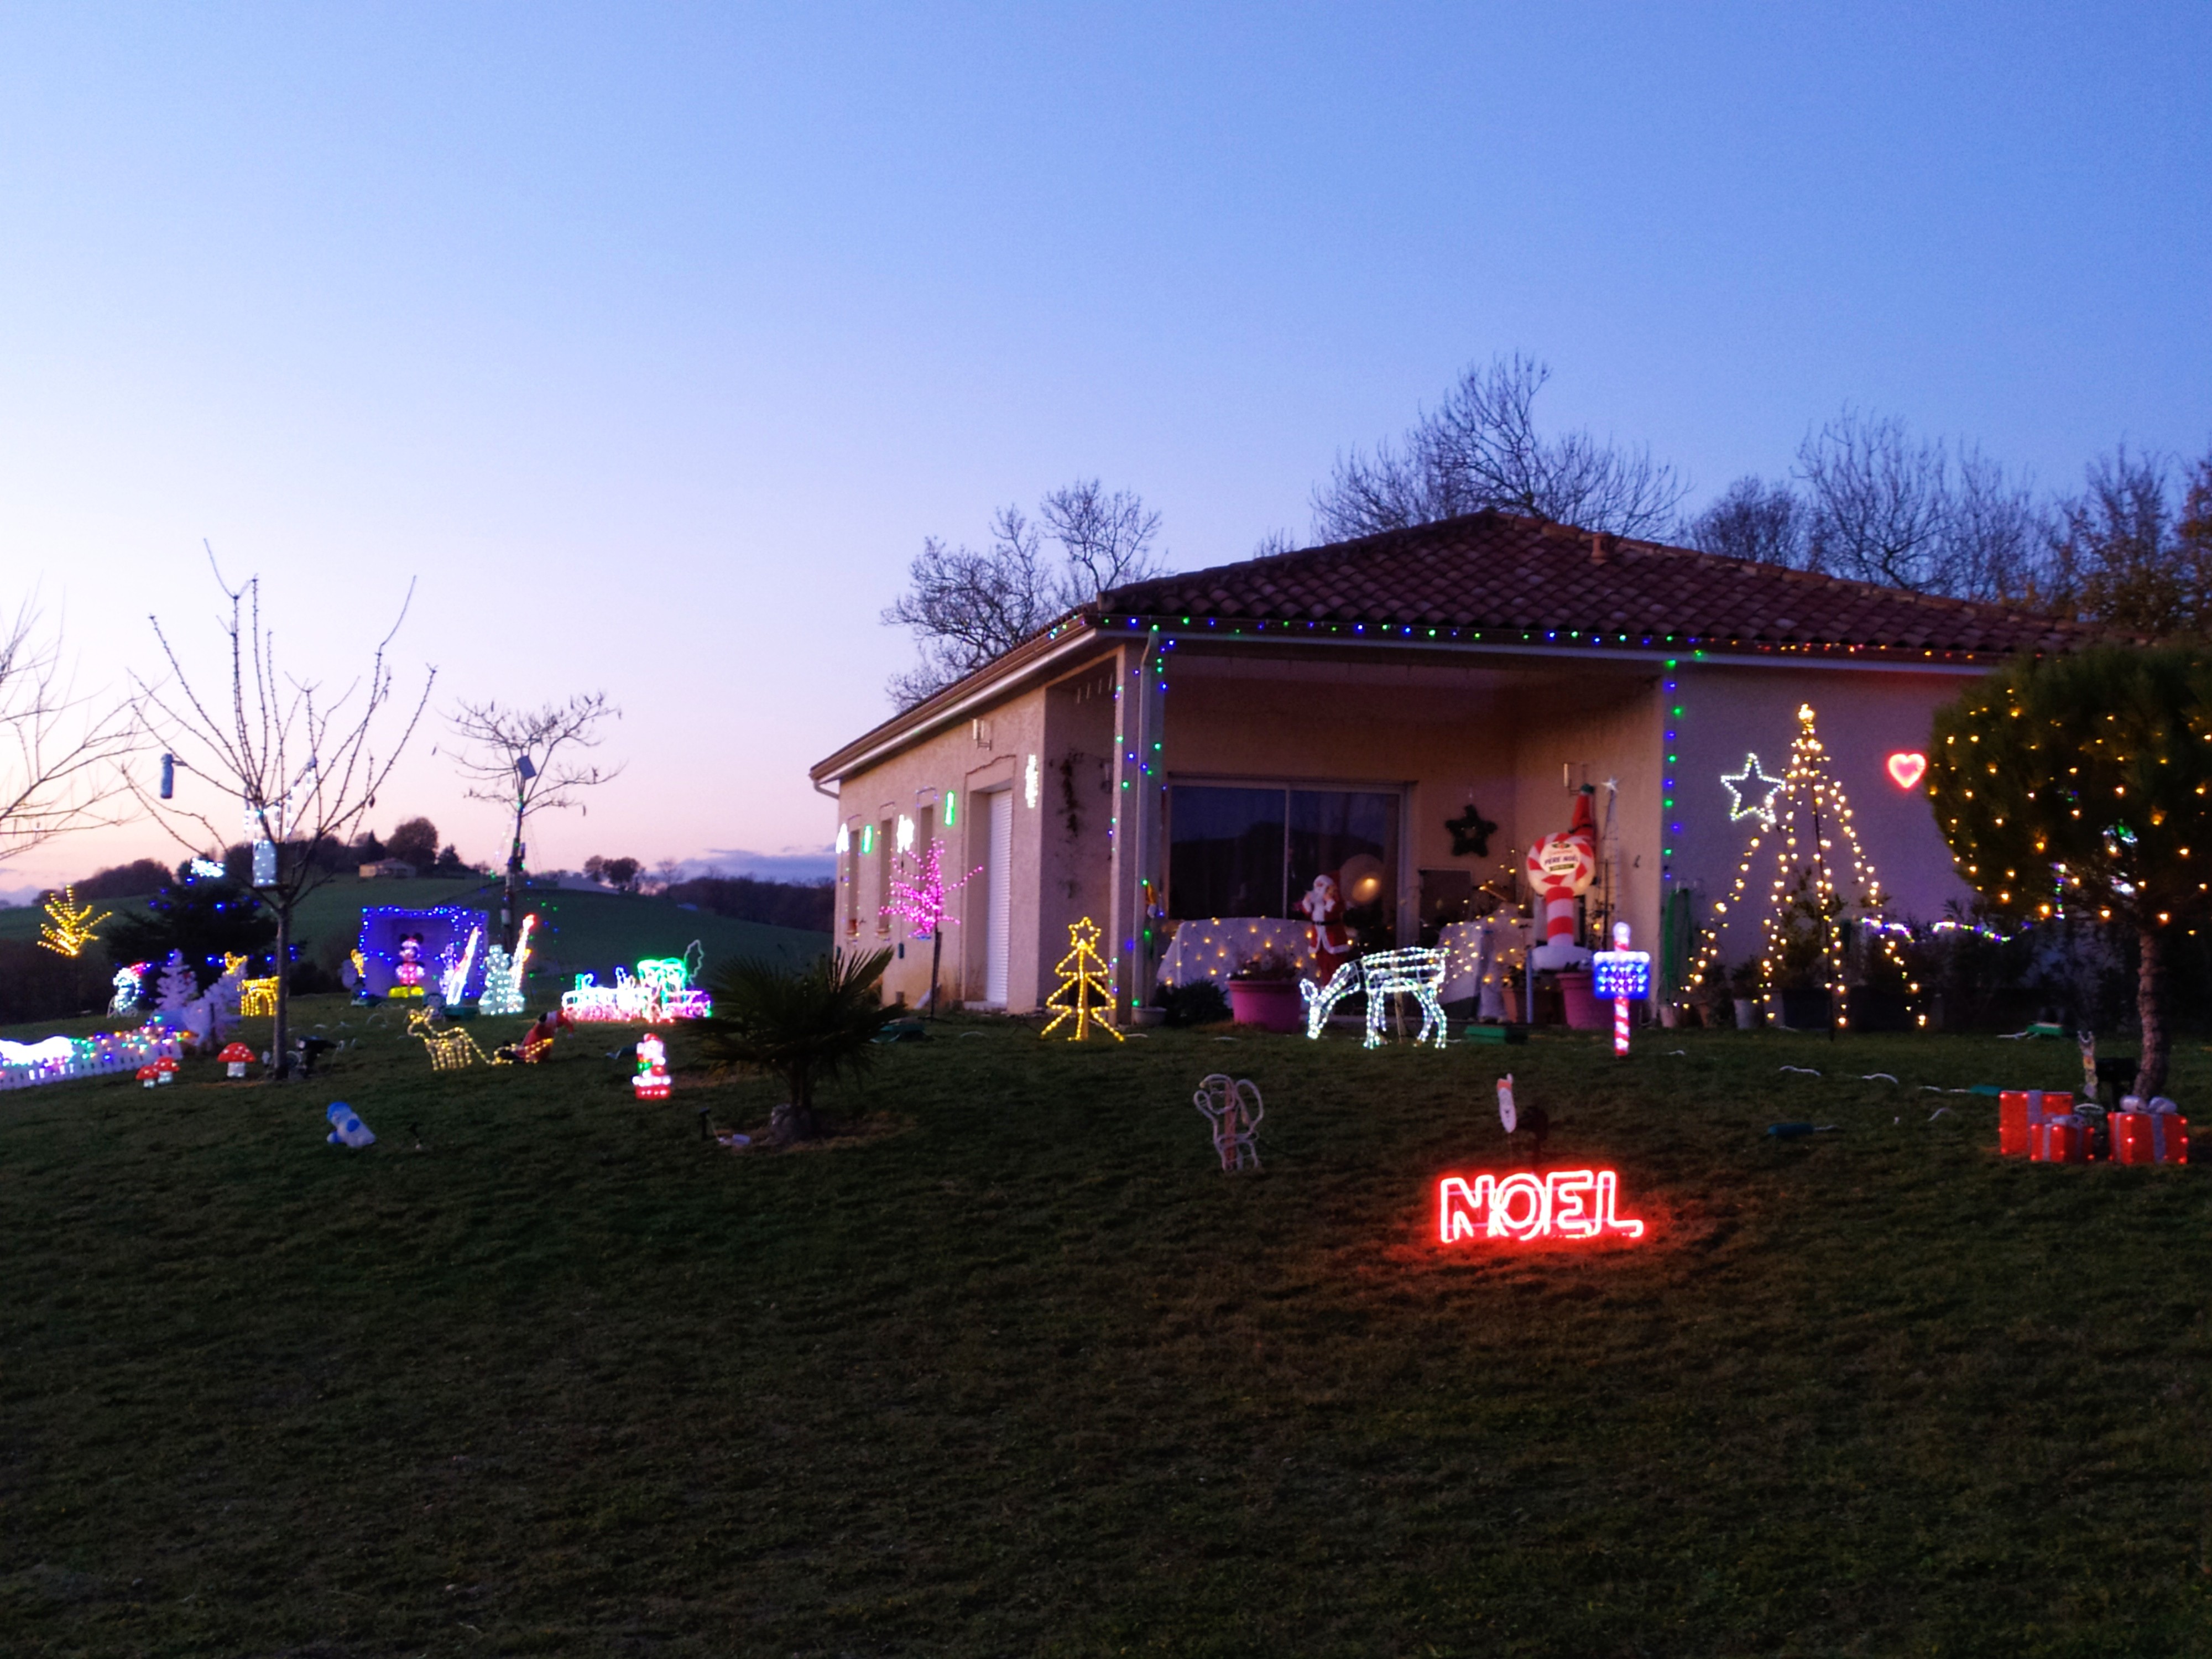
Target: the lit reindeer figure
pixel 1416 970
pixel 451 1050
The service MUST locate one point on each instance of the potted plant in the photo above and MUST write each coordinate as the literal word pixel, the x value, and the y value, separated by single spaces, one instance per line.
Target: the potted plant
pixel 1743 992
pixel 1805 926
pixel 1264 992
pixel 803 1024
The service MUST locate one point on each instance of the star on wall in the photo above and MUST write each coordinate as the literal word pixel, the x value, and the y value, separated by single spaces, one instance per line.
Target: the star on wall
pixel 1470 834
pixel 1750 792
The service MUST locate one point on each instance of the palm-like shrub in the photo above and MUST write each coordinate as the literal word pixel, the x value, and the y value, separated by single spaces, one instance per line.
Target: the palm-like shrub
pixel 803 1024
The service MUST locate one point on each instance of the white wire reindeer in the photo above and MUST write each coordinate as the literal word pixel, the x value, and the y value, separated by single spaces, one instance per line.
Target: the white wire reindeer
pixel 1416 970
pixel 1233 1106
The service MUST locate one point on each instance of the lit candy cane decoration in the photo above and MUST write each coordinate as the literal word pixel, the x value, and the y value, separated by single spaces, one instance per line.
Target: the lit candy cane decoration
pixel 1622 974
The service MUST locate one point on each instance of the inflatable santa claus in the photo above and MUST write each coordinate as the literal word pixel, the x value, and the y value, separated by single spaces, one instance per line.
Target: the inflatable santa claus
pixel 1561 867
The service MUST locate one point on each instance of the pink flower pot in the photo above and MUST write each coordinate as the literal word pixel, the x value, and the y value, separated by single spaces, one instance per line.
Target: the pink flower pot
pixel 1273 1005
pixel 1584 1012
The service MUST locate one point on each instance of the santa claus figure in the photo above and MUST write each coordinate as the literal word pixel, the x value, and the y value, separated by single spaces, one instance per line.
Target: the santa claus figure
pixel 1331 940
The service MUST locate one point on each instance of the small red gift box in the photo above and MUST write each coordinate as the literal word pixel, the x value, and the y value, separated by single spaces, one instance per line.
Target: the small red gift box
pixel 2018 1110
pixel 2060 1139
pixel 2149 1137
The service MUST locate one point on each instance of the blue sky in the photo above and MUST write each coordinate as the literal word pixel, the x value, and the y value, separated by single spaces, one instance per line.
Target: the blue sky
pixel 653 340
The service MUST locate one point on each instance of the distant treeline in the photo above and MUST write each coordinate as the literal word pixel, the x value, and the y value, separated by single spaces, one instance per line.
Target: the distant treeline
pixel 811 905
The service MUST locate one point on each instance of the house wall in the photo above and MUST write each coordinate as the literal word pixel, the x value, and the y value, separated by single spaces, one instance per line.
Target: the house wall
pixel 1862 716
pixel 1495 730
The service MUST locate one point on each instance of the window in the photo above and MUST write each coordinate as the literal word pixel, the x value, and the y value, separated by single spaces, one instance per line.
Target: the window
pixel 1255 852
pixel 884 831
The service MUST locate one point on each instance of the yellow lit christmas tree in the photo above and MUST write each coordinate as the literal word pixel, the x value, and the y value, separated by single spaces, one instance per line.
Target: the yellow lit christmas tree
pixel 1806 811
pixel 69 926
pixel 1084 974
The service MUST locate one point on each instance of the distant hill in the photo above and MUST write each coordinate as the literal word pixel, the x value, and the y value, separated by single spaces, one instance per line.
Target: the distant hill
pixel 577 932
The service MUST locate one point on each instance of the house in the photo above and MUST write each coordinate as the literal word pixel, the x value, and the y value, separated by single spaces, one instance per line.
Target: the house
pixel 1181 760
pixel 388 869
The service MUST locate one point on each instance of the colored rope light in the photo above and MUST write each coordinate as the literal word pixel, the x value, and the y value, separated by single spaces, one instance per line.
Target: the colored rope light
pixel 69 926
pixel 60 1059
pixel 661 989
pixel 1522 1207
pixel 1083 975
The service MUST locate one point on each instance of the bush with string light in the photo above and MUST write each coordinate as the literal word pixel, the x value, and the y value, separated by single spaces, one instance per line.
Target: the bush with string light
pixel 2082 786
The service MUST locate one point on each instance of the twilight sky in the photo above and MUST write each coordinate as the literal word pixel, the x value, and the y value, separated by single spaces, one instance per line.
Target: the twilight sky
pixel 653 340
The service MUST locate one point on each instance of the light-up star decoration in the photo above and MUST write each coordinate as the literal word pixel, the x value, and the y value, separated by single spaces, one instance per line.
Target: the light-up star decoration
pixel 1750 792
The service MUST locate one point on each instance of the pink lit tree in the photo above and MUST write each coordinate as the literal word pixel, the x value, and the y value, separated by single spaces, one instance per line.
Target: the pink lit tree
pixel 920 904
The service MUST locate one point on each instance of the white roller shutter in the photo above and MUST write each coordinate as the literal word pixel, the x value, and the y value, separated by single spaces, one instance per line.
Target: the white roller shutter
pixel 998 931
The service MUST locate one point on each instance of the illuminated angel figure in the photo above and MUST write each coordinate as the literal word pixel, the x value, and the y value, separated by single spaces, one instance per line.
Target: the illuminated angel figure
pixel 1084 975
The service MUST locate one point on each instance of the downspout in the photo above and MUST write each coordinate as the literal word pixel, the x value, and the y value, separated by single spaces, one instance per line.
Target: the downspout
pixel 837 795
pixel 1140 957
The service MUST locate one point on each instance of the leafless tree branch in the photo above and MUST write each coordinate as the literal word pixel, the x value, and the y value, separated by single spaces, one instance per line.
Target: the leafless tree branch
pixel 60 754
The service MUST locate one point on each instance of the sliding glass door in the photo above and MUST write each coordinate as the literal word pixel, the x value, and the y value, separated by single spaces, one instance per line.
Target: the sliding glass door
pixel 1247 850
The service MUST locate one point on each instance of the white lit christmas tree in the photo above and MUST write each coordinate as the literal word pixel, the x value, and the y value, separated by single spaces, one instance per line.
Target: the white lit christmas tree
pixel 1806 814
pixel 1086 978
pixel 179 987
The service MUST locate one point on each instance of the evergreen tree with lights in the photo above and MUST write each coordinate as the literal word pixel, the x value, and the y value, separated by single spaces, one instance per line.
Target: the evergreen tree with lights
pixel 178 986
pixel 2082 786
pixel 1815 896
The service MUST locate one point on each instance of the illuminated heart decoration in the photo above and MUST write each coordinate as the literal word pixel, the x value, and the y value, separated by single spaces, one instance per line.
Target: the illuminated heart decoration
pixel 1907 767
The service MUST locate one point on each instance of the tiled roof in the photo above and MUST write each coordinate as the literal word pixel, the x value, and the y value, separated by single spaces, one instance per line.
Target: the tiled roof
pixel 1496 571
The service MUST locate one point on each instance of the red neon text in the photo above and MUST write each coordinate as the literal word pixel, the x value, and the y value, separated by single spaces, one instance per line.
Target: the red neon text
pixel 1564 1204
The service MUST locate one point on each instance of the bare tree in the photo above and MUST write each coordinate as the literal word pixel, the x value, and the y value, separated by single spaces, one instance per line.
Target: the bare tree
pixel 2122 554
pixel 525 760
pixel 1761 522
pixel 57 751
pixel 1481 448
pixel 1878 501
pixel 965 608
pixel 301 768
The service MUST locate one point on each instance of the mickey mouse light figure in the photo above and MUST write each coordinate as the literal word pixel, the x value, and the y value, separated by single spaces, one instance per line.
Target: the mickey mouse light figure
pixel 408 973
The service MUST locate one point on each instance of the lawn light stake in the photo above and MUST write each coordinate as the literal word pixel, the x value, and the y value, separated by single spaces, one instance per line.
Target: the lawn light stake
pixel 1507 1113
pixel 1625 976
pixel 1233 1107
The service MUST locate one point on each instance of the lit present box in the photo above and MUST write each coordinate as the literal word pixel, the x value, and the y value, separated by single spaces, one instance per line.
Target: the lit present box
pixel 2149 1137
pixel 2018 1110
pixel 2060 1139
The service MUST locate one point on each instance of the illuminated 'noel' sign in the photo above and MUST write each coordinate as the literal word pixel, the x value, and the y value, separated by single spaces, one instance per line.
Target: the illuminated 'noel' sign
pixel 1564 1204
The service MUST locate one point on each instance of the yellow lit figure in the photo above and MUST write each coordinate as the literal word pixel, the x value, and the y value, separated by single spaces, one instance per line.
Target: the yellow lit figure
pixel 257 997
pixel 69 925
pixel 1086 977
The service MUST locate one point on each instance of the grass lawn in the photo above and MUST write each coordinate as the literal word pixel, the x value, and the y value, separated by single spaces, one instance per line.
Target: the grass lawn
pixel 1016 1369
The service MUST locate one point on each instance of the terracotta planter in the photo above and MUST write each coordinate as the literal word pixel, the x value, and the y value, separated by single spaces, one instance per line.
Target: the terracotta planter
pixel 1583 1012
pixel 1273 1005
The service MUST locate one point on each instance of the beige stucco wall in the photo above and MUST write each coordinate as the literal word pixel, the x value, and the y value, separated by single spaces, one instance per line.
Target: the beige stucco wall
pixel 1731 710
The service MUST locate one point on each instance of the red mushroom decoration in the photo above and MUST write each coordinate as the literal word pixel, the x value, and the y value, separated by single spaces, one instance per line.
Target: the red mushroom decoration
pixel 165 1069
pixel 149 1075
pixel 237 1057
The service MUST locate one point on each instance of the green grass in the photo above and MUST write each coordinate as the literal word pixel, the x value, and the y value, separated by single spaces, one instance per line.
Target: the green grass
pixel 1019 1371
pixel 577 930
